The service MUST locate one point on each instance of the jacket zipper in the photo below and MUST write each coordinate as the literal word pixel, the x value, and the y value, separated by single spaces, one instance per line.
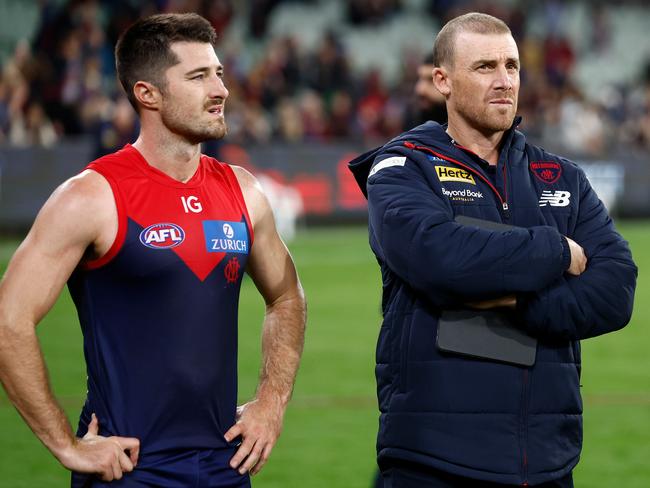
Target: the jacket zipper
pixel 504 202
pixel 505 189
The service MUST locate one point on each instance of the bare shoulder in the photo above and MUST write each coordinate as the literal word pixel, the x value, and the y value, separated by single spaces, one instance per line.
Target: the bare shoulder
pixel 87 185
pixel 88 193
pixel 256 201
pixel 247 181
pixel 79 209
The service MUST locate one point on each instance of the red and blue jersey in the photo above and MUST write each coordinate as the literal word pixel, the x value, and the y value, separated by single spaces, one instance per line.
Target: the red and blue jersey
pixel 159 310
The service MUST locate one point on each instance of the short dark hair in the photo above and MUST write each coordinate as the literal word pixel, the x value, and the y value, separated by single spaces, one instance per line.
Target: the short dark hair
pixel 143 51
pixel 478 23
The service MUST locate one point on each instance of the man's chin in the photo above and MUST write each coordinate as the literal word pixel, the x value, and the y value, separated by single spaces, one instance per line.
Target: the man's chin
pixel 504 122
pixel 215 133
pixel 221 132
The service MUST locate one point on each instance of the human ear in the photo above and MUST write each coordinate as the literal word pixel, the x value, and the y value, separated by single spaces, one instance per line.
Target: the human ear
pixel 147 94
pixel 441 80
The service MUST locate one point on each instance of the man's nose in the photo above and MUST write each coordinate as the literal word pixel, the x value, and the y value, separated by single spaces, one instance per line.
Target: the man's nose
pixel 503 79
pixel 218 89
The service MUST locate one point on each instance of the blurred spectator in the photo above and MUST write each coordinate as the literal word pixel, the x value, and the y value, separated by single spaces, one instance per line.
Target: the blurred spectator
pixel 341 118
pixel 371 107
pixel 371 11
pixel 314 118
pixel 260 10
pixel 22 121
pixel 581 126
pixel 329 66
pixel 290 128
pixel 256 124
pixel 427 102
pixel 636 128
pixel 16 81
pixel 219 13
pixel 33 128
pixel 558 59
pixel 444 10
pixel 116 125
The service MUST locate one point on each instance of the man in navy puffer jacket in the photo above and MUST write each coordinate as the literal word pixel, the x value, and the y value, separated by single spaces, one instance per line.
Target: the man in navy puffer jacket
pixel 448 420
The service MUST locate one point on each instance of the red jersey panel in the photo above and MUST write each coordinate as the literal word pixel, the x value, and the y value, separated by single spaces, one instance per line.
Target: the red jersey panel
pixel 174 213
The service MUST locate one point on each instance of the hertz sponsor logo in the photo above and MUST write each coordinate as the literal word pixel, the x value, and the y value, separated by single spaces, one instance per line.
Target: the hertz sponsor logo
pixel 447 173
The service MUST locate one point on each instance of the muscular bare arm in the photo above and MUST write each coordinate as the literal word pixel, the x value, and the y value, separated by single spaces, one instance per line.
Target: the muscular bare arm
pixel 68 226
pixel 272 269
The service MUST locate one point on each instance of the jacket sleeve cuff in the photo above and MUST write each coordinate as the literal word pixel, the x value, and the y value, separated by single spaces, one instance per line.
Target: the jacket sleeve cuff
pixel 566 254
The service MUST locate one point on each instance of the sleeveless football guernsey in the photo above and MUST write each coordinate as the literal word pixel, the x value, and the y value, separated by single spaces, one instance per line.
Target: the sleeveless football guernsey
pixel 159 311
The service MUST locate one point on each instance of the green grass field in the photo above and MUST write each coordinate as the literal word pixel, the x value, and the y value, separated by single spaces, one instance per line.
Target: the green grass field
pixel 329 434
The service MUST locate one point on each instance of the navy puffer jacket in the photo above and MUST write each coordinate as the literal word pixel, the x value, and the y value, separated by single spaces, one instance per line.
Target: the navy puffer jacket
pixel 479 418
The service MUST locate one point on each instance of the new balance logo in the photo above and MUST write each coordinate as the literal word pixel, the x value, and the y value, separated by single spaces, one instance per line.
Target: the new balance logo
pixel 554 198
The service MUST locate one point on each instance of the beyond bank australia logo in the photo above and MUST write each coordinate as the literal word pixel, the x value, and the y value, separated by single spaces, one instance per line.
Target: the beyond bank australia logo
pixel 162 236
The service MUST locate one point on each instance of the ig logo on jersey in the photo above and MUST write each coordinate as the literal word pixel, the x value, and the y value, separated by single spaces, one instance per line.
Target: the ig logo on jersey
pixel 162 236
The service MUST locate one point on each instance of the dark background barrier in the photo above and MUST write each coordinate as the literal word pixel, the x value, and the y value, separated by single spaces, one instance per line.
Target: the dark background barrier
pixel 318 172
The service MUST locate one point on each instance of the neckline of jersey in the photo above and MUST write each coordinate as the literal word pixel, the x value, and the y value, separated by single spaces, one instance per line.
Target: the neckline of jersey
pixel 162 177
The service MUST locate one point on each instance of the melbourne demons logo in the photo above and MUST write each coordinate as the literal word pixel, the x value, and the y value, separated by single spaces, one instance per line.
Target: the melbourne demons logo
pixel 162 236
pixel 546 171
pixel 231 270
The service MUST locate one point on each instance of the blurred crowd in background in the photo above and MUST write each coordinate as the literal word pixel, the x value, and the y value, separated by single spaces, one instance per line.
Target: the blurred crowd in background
pixel 61 82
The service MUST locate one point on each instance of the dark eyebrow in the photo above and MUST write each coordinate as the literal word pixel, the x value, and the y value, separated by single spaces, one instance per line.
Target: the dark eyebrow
pixel 481 62
pixel 204 69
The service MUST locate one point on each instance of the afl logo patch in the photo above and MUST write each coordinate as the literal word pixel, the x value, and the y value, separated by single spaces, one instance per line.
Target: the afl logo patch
pixel 547 171
pixel 162 236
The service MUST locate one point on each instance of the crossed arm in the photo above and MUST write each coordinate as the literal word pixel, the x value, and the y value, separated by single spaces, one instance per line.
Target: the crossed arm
pixel 259 421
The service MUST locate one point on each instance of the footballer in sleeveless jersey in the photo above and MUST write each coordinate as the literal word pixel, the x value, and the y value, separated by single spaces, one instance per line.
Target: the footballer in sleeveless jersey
pixel 159 311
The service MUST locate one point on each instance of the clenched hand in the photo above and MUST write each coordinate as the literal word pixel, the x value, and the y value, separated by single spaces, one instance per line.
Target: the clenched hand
pixel 578 258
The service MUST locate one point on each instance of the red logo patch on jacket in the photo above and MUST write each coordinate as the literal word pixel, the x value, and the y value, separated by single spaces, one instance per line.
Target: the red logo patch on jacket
pixel 546 171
